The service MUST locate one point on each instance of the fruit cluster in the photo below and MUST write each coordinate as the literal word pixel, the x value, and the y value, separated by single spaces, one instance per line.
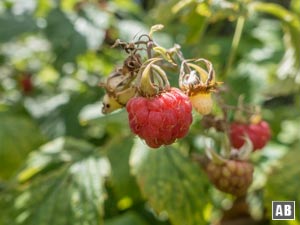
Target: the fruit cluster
pixel 160 114
pixel 231 172
pixel 157 112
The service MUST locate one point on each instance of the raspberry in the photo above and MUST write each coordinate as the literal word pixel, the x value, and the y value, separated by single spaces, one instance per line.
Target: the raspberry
pixel 232 177
pixel 202 102
pixel 259 134
pixel 26 84
pixel 161 119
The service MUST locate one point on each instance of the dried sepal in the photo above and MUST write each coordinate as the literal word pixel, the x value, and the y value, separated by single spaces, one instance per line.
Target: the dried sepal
pixel 152 79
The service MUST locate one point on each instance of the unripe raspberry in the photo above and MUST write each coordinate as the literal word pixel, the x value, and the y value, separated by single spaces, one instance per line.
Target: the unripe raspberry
pixel 160 119
pixel 258 133
pixel 202 102
pixel 198 83
pixel 232 177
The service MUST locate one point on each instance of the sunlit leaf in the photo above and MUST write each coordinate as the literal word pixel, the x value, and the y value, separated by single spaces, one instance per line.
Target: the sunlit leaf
pixel 63 184
pixel 58 115
pixel 101 64
pixel 197 24
pixel 92 24
pixel 123 183
pixel 67 43
pixel 18 136
pixel 43 7
pixel 290 65
pixel 291 20
pixel 171 183
pixel 115 123
pixel 68 5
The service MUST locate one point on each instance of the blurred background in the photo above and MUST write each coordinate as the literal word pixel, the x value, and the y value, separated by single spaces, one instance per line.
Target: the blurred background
pixel 63 162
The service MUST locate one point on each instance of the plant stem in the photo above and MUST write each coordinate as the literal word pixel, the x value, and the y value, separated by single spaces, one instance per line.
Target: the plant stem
pixel 235 43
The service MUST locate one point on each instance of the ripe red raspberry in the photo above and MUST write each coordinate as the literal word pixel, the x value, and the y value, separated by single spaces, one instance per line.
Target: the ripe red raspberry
pixel 232 177
pixel 259 134
pixel 161 119
pixel 26 84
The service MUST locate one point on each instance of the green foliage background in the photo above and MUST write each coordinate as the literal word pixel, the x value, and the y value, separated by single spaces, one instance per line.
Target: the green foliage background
pixel 63 162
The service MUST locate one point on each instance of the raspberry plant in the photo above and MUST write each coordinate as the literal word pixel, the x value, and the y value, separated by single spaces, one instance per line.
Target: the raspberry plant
pixel 160 114
pixel 199 132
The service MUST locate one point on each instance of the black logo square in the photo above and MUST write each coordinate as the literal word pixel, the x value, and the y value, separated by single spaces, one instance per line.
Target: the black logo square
pixel 283 210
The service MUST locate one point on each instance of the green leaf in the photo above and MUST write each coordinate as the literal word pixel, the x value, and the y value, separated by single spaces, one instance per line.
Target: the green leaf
pixel 247 89
pixel 123 183
pixel 13 25
pixel 129 218
pixel 197 24
pixel 114 123
pixel 58 115
pixel 283 184
pixel 288 70
pixel 290 19
pixel 92 24
pixel 18 136
pixel 171 183
pixel 289 66
pixel 67 43
pixel 63 184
